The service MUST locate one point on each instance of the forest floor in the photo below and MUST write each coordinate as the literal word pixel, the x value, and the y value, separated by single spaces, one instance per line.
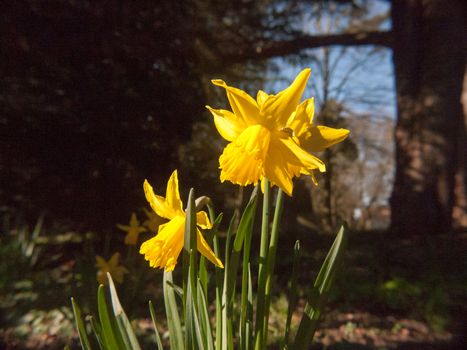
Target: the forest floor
pixel 393 293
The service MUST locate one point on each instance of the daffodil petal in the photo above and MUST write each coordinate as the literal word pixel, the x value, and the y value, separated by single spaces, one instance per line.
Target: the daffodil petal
pixel 204 249
pixel 322 137
pixel 242 160
pixel 243 105
pixel 308 161
pixel 261 97
pixel 114 259
pixel 284 103
pixel 134 220
pixel 157 203
pixel 172 196
pixel 276 166
pixel 202 220
pixel 162 251
pixel 301 119
pixel 100 262
pixel 228 125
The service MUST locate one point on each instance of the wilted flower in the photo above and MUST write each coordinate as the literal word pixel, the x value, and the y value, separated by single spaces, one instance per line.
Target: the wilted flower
pixel 271 137
pixel 162 251
pixel 133 230
pixel 116 271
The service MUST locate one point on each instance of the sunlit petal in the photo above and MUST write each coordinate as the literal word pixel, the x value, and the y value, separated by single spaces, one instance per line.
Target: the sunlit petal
pixel 202 220
pixel 243 105
pixel 322 137
pixel 228 125
pixel 242 160
pixel 284 103
pixel 261 97
pixel 162 251
pixel 157 203
pixel 301 119
pixel 204 249
pixel 276 167
pixel 307 160
pixel 172 195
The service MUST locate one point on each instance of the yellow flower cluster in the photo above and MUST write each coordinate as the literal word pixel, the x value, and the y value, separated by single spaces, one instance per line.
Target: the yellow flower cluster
pixel 271 137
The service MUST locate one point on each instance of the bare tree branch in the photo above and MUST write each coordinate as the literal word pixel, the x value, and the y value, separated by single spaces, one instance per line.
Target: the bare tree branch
pixel 264 50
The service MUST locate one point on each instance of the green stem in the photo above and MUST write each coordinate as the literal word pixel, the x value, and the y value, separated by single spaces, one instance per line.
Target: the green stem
pixel 219 281
pixel 272 258
pixel 263 254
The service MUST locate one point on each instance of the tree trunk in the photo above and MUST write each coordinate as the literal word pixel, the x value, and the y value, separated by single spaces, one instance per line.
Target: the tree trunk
pixel 430 59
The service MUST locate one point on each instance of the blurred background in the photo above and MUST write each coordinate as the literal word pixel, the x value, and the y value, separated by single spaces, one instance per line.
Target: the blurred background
pixel 96 96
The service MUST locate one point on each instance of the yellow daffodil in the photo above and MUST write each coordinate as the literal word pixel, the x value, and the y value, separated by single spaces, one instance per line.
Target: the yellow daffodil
pixel 162 251
pixel 116 271
pixel 271 137
pixel 133 230
pixel 153 220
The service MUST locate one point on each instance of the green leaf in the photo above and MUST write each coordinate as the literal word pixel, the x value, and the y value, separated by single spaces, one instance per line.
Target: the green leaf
pixel 108 329
pixel 320 291
pixel 271 259
pixel 124 325
pixel 249 313
pixel 219 293
pixel 292 297
pixel 246 221
pixel 247 226
pixel 190 245
pixel 205 324
pixel 189 326
pixel 216 221
pixel 178 290
pixel 97 330
pixel 226 305
pixel 244 229
pixel 173 319
pixel 153 317
pixel 193 337
pixel 83 338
